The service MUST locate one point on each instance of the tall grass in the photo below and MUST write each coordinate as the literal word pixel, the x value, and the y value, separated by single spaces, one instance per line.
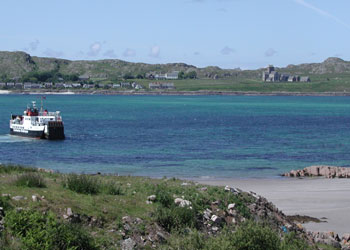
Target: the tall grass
pixel 83 184
pixel 10 168
pixel 30 180
pixel 86 184
pixel 112 188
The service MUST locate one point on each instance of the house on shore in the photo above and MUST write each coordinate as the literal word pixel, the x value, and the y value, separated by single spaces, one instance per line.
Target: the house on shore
pixel 125 84
pixel 48 85
pixel 167 76
pixel 76 85
pixel 88 86
pixel 10 85
pixel 305 79
pixel 18 85
pixel 172 76
pixel 59 85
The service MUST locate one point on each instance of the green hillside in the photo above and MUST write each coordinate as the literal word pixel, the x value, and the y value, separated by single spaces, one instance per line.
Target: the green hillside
pixel 332 75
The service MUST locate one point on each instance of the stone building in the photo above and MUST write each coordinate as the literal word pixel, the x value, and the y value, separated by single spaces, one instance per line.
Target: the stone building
pixel 271 75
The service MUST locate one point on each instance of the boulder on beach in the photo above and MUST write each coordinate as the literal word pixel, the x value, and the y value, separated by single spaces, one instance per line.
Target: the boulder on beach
pixel 321 170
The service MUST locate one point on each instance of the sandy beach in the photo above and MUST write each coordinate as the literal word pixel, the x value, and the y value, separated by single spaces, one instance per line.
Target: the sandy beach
pixel 325 199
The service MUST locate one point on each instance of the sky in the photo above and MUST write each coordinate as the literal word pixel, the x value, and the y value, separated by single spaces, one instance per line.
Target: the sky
pixel 248 34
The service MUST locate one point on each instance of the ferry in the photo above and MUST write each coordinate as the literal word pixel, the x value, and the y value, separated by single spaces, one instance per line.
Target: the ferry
pixel 38 124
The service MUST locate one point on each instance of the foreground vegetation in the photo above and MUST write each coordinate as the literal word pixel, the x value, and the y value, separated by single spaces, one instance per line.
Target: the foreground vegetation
pixel 46 210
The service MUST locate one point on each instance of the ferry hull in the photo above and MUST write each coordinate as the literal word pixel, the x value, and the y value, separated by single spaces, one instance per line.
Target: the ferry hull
pixel 32 134
pixel 55 131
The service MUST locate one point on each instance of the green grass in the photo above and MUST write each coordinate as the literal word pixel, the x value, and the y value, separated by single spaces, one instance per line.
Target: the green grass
pixel 319 83
pixel 30 180
pixel 43 231
pixel 9 168
pixel 112 198
pixel 83 184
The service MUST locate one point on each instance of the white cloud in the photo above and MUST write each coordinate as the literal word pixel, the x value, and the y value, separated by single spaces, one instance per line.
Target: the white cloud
pixel 322 12
pixel 155 51
pixel 270 52
pixel 129 52
pixel 52 53
pixel 110 54
pixel 227 51
pixel 94 49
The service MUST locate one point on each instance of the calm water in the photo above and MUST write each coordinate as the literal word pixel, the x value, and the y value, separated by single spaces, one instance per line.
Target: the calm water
pixel 202 136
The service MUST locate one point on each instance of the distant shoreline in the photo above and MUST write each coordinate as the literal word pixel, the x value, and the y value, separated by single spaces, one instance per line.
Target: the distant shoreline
pixel 173 93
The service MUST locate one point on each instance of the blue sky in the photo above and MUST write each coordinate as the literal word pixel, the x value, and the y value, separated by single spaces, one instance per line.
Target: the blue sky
pixel 227 33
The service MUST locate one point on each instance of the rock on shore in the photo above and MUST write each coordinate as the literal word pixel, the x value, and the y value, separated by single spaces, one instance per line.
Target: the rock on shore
pixel 315 171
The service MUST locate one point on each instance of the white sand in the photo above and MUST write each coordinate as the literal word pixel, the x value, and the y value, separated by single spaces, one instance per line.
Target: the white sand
pixel 329 198
pixel 4 92
pixel 52 93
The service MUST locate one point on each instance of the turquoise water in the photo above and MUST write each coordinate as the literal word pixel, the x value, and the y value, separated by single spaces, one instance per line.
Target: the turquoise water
pixel 197 136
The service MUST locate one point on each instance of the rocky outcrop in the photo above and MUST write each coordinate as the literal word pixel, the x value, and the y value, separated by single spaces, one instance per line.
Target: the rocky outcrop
pixel 137 234
pixel 331 239
pixel 317 171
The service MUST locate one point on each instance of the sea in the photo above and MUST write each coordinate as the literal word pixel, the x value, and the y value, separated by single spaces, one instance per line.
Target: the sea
pixel 205 137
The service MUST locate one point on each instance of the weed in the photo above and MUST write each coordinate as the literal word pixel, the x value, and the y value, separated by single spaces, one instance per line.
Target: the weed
pixel 39 231
pixel 30 180
pixel 4 203
pixel 176 218
pixel 83 184
pixel 112 188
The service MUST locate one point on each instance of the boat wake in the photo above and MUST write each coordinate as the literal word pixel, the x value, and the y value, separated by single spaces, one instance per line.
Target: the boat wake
pixel 12 139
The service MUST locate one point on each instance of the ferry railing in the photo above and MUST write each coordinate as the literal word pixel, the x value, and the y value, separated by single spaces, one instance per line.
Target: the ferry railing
pixel 56 114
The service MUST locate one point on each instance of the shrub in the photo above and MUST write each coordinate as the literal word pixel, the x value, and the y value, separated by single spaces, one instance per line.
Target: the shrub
pixel 112 188
pixel 255 236
pixel 163 196
pixel 82 184
pixel 292 242
pixel 30 180
pixel 176 218
pixel 193 240
pixel 39 231
pixel 4 203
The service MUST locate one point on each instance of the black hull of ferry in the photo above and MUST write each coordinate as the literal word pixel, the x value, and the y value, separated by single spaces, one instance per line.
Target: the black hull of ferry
pixel 55 135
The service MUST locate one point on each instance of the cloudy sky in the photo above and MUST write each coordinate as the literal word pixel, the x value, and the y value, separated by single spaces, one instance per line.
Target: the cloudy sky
pixel 228 33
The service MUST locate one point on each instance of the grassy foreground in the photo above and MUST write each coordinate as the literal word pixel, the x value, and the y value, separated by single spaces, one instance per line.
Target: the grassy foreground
pixel 46 210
